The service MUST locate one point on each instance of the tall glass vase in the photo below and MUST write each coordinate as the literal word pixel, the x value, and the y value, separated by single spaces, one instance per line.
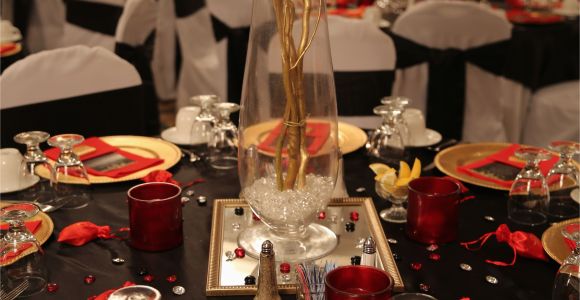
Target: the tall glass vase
pixel 288 134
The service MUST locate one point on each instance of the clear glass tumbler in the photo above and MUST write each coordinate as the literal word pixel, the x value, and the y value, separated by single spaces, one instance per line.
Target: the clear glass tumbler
pixel 567 282
pixel 563 181
pixel 223 141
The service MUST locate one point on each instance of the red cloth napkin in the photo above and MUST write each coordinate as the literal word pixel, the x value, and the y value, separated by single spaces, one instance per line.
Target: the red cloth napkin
pixel 357 12
pixel 527 17
pixel 32 226
pixel 316 135
pixel 105 295
pixel 5 48
pixel 505 156
pixel 94 147
pixel 571 228
pixel 80 233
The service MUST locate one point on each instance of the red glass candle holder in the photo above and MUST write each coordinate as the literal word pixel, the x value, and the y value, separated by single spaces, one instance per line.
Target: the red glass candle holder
pixel 432 212
pixel 155 216
pixel 358 283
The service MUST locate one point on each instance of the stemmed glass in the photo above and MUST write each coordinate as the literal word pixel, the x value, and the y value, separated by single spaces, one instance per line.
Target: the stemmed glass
pixel 70 176
pixel 529 196
pixel 401 103
pixel 386 142
pixel 567 282
pixel 223 142
pixel 397 195
pixel 42 192
pixel 563 180
pixel 204 122
pixel 18 241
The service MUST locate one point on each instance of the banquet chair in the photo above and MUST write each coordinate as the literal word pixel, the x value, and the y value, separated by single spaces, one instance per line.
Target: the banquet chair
pixel 454 71
pixel 554 114
pixel 363 60
pixel 89 91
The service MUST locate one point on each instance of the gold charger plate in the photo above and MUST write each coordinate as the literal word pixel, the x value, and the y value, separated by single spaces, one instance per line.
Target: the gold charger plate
pixel 449 159
pixel 42 234
pixel 140 145
pixel 553 241
pixel 350 137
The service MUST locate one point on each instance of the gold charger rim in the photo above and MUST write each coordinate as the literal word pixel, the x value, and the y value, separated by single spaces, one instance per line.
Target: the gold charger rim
pixel 42 234
pixel 553 241
pixel 444 154
pixel 170 153
pixel 213 287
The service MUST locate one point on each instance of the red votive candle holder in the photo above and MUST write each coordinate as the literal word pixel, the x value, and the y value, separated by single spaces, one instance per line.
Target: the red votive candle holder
pixel 433 208
pixel 358 283
pixel 155 216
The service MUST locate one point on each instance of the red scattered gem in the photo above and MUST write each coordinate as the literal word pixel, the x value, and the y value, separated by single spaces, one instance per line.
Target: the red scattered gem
pixel 321 215
pixel 464 298
pixel 434 256
pixel 284 268
pixel 171 278
pixel 424 287
pixel 354 216
pixel 256 218
pixel 148 278
pixel 416 266
pixel 240 252
pixel 89 279
pixel 52 287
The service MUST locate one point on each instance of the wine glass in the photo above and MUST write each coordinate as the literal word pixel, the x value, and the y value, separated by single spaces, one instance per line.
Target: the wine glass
pixel 204 122
pixel 562 180
pixel 528 196
pixel 28 269
pixel 567 282
pixel 386 142
pixel 223 141
pixel 397 195
pixel 70 176
pixel 41 193
pixel 402 103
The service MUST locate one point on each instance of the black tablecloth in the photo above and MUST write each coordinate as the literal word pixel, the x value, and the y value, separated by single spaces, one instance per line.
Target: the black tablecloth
pixel 528 279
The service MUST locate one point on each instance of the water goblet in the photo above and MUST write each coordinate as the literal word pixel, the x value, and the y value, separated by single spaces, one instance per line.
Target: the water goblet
pixel 70 176
pixel 205 120
pixel 223 141
pixel 401 123
pixel 21 256
pixel 397 195
pixel 567 282
pixel 386 141
pixel 562 180
pixel 529 196
pixel 41 193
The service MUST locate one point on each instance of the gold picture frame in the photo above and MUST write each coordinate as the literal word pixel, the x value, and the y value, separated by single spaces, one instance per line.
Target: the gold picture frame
pixel 225 278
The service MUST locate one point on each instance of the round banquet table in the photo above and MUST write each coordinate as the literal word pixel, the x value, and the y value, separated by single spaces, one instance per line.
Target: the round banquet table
pixel 68 265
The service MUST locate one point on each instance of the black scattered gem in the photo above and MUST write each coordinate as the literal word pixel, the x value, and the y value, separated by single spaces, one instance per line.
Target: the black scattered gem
pixel 250 280
pixel 396 256
pixel 143 272
pixel 239 211
pixel 118 261
pixel 349 226
pixel 355 260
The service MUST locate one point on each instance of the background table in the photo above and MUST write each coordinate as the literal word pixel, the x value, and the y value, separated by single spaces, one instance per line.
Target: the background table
pixel 68 265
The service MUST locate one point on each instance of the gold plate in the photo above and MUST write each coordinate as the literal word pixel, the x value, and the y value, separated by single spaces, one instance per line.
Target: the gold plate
pixel 42 234
pixel 553 241
pixel 350 137
pixel 449 159
pixel 226 278
pixel 140 145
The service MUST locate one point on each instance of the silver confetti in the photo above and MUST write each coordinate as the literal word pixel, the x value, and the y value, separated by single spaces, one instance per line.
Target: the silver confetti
pixel 432 247
pixel 190 192
pixel 178 290
pixel 286 277
pixel 230 255
pixel 333 219
pixel 465 267
pixel 201 199
pixel 489 218
pixel 392 241
pixel 491 279
pixel 236 226
pixel 118 261
pixel 360 189
pixel 185 200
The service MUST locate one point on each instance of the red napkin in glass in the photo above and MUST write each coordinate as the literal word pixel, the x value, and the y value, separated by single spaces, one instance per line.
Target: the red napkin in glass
pixel 32 226
pixel 105 295
pixel 316 135
pixel 506 157
pixel 102 159
pixel 571 228
pixel 522 243
pixel 80 233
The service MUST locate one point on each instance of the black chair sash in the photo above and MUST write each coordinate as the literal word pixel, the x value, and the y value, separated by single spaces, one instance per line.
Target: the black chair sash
pixel 99 17
pixel 446 83
pixel 184 8
pixel 115 112
pixel 357 93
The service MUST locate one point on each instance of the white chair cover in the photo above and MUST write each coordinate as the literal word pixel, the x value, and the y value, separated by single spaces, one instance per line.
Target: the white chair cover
pixel 460 25
pixel 137 22
pixel 64 73
pixel 46 25
pixel 554 115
